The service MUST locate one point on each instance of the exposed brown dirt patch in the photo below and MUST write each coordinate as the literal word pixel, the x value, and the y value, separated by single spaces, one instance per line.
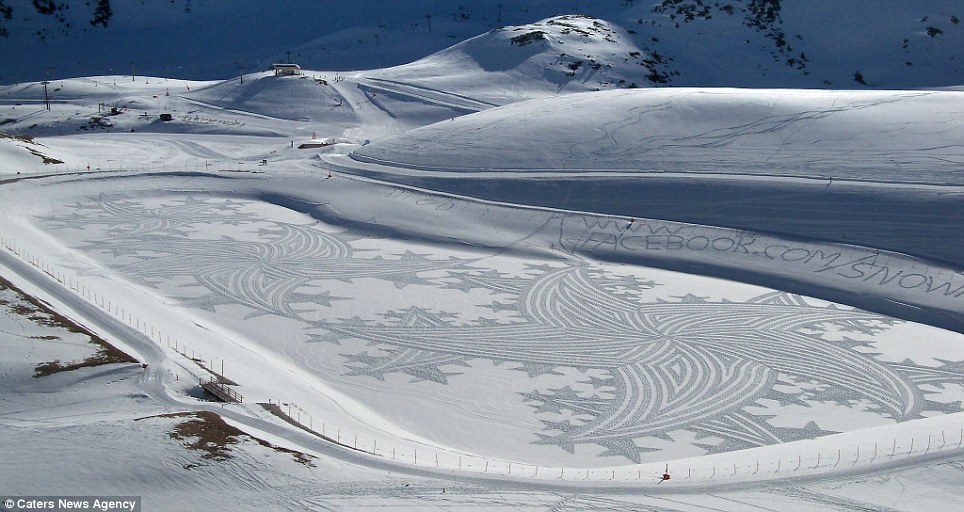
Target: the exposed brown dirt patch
pixel 42 314
pixel 207 432
pixel 29 140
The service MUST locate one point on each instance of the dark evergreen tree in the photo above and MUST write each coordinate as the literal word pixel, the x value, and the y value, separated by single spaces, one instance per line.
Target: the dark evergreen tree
pixel 102 13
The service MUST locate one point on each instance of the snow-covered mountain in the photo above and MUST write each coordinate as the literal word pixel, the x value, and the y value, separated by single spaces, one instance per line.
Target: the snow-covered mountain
pixel 569 53
pixel 743 43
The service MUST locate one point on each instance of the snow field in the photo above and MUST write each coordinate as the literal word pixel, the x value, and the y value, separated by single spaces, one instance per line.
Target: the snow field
pixel 206 335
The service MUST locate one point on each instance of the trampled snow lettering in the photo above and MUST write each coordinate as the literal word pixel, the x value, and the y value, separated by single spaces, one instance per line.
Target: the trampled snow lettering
pixel 654 237
pixel 865 270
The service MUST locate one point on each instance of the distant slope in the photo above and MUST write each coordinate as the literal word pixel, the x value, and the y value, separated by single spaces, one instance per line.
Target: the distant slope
pixel 560 54
pixel 817 43
pixel 741 43
pixel 906 137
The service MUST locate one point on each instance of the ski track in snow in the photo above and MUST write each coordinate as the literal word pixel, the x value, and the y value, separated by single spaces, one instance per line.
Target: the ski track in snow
pixel 424 93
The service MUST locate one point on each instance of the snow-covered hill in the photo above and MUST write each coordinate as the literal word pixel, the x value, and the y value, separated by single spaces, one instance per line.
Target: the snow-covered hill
pixel 505 65
pixel 561 54
pixel 909 137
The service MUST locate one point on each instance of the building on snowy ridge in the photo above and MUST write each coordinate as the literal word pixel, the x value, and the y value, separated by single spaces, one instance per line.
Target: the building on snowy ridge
pixel 286 69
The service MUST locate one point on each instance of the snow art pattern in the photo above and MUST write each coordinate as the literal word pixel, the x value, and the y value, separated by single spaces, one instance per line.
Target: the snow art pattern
pixel 656 367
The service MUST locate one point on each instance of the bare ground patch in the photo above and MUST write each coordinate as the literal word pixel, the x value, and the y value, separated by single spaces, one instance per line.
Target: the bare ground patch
pixel 47 160
pixel 208 433
pixel 40 313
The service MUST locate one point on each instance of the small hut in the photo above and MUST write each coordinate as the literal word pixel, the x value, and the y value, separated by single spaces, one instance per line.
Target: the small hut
pixel 286 69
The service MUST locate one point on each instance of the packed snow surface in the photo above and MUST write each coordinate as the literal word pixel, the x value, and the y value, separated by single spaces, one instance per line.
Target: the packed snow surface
pixel 902 137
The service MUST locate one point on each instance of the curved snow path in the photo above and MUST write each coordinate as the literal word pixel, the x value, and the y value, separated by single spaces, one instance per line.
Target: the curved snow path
pixel 222 108
pixel 428 94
